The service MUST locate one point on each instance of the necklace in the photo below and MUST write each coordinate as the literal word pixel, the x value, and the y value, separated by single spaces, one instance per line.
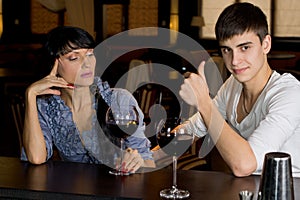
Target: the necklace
pixel 244 103
pixel 244 99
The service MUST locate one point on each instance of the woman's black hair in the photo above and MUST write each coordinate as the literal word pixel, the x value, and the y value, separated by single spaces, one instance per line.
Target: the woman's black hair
pixel 63 39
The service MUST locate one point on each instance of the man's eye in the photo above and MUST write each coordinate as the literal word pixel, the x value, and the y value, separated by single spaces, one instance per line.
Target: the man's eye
pixel 225 50
pixel 244 48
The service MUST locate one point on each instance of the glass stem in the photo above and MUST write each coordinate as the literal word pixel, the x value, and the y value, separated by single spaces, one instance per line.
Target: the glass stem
pixel 121 155
pixel 174 172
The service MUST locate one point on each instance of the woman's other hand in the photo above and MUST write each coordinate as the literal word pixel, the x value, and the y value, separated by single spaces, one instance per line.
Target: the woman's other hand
pixel 132 160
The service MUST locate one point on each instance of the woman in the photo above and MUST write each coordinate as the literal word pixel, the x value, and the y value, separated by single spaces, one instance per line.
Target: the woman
pixel 61 108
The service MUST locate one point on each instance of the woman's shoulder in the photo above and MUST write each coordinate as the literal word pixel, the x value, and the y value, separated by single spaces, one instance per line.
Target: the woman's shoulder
pixel 102 88
pixel 121 91
pixel 123 96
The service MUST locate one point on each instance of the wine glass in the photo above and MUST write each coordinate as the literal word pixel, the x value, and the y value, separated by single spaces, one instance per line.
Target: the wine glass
pixel 122 122
pixel 173 142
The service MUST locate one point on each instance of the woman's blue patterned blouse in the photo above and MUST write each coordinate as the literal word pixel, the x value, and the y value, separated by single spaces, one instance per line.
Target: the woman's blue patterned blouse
pixel 91 146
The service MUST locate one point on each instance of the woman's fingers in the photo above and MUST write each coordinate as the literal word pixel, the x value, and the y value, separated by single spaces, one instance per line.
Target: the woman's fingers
pixel 54 68
pixel 132 160
pixel 49 85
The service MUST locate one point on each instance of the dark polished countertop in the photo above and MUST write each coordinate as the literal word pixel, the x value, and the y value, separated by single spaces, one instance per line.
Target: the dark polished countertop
pixel 67 180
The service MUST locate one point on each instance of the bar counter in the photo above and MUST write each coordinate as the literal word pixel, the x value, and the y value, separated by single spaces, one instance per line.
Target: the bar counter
pixel 67 180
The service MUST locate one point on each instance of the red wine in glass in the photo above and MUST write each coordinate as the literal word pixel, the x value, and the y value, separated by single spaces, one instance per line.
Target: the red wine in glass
pixel 123 128
pixel 122 123
pixel 174 143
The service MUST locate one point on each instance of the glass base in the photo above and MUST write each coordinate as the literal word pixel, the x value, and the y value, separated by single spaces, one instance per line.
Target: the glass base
pixel 174 193
pixel 119 173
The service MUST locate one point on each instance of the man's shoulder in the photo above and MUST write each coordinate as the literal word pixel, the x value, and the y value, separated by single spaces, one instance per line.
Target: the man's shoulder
pixel 285 82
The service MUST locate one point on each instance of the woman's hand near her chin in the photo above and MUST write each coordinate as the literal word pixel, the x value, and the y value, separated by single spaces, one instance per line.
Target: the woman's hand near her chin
pixel 49 84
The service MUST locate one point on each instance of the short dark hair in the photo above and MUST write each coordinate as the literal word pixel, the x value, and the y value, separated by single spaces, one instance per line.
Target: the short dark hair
pixel 239 18
pixel 63 39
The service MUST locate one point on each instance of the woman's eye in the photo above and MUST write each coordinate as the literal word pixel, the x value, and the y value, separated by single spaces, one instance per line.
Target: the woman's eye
pixel 90 54
pixel 73 58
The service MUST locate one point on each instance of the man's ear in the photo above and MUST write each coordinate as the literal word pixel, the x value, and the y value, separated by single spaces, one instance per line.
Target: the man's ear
pixel 266 44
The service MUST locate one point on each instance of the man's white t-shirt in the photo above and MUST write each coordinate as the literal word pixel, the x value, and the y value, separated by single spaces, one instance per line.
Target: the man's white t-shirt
pixel 273 123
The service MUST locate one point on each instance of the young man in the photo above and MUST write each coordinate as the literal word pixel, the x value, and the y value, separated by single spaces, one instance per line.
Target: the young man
pixel 257 110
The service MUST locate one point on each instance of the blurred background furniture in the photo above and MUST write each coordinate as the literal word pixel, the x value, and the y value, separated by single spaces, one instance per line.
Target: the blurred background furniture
pixel 16 104
pixel 139 72
pixel 13 83
pixel 15 98
pixel 157 102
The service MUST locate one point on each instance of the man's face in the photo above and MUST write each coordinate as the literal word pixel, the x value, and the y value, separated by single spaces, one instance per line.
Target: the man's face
pixel 244 55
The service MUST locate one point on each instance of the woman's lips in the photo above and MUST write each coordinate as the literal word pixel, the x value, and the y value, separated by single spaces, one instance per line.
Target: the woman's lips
pixel 86 75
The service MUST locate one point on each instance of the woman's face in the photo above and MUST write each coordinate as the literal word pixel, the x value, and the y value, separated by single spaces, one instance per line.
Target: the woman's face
pixel 78 67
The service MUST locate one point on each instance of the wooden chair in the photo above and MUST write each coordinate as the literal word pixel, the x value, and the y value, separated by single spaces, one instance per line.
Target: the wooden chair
pixel 17 108
pixel 187 161
pixel 191 161
pixel 15 93
pixel 147 96
pixel 150 94
pixel 15 97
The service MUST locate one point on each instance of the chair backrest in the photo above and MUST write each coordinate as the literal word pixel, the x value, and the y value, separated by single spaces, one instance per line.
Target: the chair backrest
pixel 15 93
pixel 17 108
pixel 149 94
pixel 139 72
